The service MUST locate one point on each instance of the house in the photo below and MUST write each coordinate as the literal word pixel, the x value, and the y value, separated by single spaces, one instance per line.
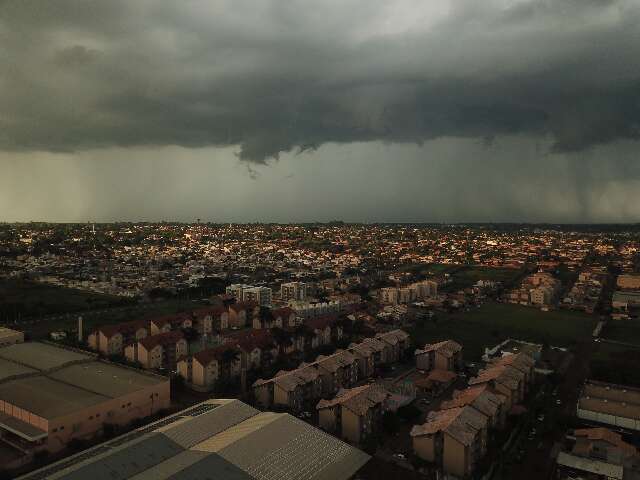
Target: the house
pixel 111 339
pixel 453 439
pixel 445 355
pixel 598 453
pixel 203 370
pixel 158 351
pixel 482 398
pixel 355 413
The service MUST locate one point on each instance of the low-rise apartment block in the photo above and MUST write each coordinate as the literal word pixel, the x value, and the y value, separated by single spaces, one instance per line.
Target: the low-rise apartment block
pixel 159 351
pixel 354 414
pixel 453 439
pixel 446 355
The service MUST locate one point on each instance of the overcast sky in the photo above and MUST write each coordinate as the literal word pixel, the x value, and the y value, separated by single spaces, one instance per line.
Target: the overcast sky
pixel 361 110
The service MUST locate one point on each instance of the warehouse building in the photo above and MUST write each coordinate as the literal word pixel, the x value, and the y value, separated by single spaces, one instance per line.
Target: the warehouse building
pixel 50 396
pixel 217 439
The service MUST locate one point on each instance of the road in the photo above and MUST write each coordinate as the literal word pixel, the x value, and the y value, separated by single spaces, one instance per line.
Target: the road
pixel 539 453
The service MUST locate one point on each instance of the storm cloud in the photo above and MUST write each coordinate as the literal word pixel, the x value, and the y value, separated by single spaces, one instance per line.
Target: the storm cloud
pixel 278 76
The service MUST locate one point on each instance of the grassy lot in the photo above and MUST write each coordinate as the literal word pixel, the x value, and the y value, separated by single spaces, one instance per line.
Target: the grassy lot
pixel 469 275
pixel 627 331
pixel 495 322
pixel 95 319
pixel 30 299
pixel 616 364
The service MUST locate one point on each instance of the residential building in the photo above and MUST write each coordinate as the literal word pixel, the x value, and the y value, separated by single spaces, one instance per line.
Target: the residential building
pixel 453 439
pixel 482 398
pixel 159 351
pixel 203 370
pixel 504 379
pixel 248 293
pixel 242 314
pixel 354 414
pixel 293 291
pixel 446 355
pixel 111 339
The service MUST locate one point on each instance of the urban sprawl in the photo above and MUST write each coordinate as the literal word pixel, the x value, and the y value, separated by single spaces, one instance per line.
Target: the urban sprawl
pixel 319 351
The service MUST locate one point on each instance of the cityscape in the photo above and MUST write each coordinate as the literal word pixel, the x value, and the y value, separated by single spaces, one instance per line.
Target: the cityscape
pixel 330 240
pixel 420 350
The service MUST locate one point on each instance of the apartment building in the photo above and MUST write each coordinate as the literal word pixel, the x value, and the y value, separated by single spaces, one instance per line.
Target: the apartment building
pixel 354 414
pixel 446 355
pixel 111 339
pixel 241 314
pixel 293 291
pixel 203 370
pixel 327 374
pixel 166 323
pixel 505 380
pixel 481 397
pixel 159 351
pixel 248 293
pixel 454 439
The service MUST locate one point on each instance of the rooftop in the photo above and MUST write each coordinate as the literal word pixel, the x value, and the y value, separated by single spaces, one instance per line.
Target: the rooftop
pixel 60 381
pixel 41 356
pixel 219 438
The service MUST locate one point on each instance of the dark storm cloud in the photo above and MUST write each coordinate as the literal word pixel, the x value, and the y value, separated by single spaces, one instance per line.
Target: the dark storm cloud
pixel 277 76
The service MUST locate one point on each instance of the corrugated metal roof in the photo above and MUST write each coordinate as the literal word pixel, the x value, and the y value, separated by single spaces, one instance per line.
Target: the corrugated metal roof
pixel 237 432
pixel 236 443
pixel 187 434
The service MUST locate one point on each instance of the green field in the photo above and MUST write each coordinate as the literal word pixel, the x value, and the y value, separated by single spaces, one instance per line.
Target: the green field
pixel 467 276
pixel 22 299
pixel 627 331
pixel 616 364
pixel 494 322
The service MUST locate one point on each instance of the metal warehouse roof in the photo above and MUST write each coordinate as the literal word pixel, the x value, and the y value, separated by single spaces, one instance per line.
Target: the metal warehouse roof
pixel 217 439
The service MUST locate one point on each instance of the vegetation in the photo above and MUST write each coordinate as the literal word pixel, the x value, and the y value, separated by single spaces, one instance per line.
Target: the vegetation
pixel 494 322
pixel 616 364
pixel 23 299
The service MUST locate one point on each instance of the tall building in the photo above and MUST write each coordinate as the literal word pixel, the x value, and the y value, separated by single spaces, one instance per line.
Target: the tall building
pixel 293 291
pixel 249 293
